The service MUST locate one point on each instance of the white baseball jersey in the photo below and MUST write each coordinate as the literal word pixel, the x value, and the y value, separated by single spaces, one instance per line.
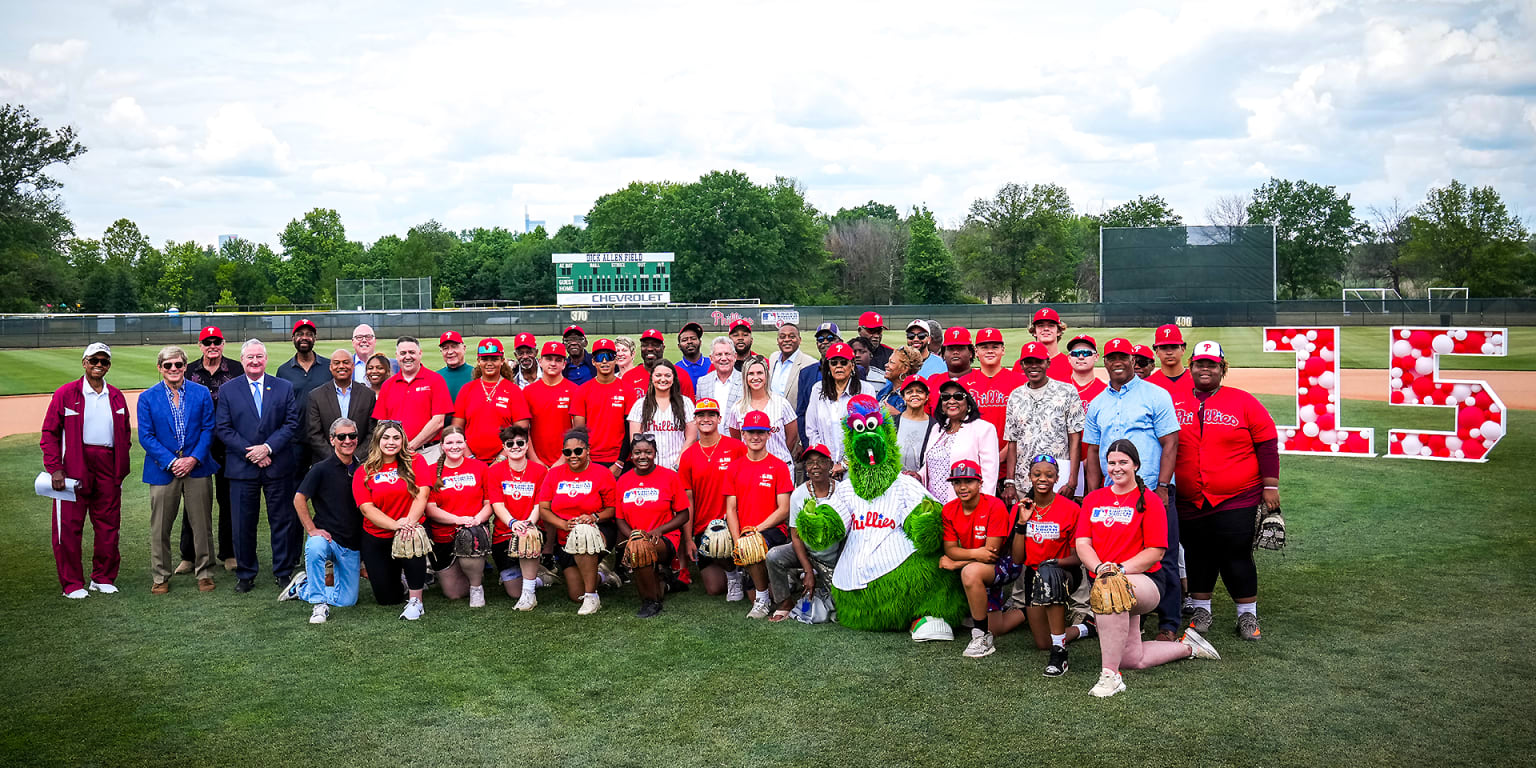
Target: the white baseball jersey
pixel 669 434
pixel 876 541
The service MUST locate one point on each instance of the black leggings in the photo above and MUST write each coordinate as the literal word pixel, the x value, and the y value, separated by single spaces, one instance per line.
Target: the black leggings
pixel 1221 544
pixel 384 570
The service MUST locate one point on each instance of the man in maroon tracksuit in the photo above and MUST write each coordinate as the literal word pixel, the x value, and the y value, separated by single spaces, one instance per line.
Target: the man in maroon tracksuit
pixel 85 438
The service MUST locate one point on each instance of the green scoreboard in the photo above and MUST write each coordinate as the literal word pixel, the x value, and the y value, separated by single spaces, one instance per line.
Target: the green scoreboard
pixel 606 279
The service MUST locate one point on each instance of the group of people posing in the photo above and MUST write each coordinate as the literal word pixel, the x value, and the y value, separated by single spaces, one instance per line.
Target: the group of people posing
pixel 556 435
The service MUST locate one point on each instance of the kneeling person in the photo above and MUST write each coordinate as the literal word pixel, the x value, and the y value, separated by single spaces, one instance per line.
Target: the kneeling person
pixel 332 530
pixel 785 559
pixel 653 506
pixel 1042 541
pixel 757 496
pixel 976 525
pixel 578 492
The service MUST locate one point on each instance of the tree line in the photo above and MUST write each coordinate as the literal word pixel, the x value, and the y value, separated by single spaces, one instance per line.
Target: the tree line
pixel 734 238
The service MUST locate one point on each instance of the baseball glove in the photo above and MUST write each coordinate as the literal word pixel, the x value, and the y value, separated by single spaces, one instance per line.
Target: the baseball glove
pixel 471 541
pixel 527 540
pixel 1112 593
pixel 715 542
pixel 1269 529
pixel 1050 585
pixel 640 552
pixel 410 541
pixel 585 539
pixel 751 548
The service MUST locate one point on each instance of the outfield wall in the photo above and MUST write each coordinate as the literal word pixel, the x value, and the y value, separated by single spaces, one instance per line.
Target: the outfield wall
pixel 27 331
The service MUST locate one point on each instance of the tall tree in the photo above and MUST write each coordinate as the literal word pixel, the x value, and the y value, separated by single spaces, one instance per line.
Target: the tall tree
pixel 630 220
pixel 1144 211
pixel 308 245
pixel 1028 248
pixel 1228 211
pixel 1381 256
pixel 1465 237
pixel 34 273
pixel 1314 227
pixel 869 210
pixel 869 251
pixel 929 274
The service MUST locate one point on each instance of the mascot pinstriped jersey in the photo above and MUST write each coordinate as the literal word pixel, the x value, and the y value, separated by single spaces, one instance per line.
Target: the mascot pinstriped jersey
pixel 888 576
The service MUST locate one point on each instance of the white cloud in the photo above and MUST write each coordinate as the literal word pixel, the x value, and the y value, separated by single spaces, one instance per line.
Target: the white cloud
pixel 66 52
pixel 357 177
pixel 238 144
pixel 131 127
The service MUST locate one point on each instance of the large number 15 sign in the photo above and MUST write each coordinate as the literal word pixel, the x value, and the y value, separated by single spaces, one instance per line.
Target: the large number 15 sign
pixel 1413 379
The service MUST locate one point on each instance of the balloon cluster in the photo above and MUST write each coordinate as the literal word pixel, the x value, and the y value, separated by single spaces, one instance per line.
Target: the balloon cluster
pixel 1318 394
pixel 1415 380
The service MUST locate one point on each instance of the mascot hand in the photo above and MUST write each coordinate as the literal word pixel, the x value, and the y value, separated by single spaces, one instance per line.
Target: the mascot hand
pixel 820 526
pixel 924 526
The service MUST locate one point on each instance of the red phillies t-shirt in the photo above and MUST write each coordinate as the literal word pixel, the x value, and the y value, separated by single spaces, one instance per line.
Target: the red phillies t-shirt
pixel 571 495
pixel 605 407
pixel 1216 460
pixel 650 501
pixel 1114 528
pixel 1087 393
pixel 756 486
pixel 1048 531
pixel 413 403
pixel 991 518
pixel 703 471
pixel 991 393
pixel 551 406
pixel 1175 387
pixel 485 410
pixel 1058 368
pixel 385 488
pixel 464 493
pixel 517 491
pixel 638 381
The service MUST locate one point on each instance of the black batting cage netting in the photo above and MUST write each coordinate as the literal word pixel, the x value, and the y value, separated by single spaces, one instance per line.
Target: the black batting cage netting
pixel 1193 264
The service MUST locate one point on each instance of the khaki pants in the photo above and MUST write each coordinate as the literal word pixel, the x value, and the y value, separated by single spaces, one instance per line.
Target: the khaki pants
pixel 164 502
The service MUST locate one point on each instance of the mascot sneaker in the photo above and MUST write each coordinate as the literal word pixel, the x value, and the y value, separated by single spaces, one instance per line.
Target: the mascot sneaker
pixel 982 644
pixel 931 628
pixel 1109 684
pixel 1199 647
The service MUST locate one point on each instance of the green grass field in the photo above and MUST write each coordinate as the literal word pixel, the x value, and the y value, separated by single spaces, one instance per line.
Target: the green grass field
pixel 30 371
pixel 1397 631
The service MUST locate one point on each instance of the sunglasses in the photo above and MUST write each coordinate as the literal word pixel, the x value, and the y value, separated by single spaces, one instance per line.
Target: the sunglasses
pixel 1043 457
pixel 1081 353
pixel 826 337
pixel 105 362
pixel 838 361
pixel 173 365
pixel 344 436
pixel 918 335
pixel 515 443
pixel 212 342
pixel 603 357
pixel 572 451
pixel 951 396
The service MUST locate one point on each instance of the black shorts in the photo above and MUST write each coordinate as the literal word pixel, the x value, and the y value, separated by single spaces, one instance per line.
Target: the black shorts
pixel 773 537
pixel 663 557
pixel 441 556
pixel 564 559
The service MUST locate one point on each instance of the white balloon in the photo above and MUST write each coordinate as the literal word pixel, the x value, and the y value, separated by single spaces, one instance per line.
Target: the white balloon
pixel 1424 451
pixel 1327 380
pixel 1453 443
pixel 1497 339
pixel 1410 399
pixel 1492 431
pixel 1329 408
pixel 1424 366
pixel 1312 335
pixel 1442 344
pixel 1309 429
pixel 1475 433
pixel 1301 391
pixel 1311 381
pixel 1461 391
pixel 1403 333
pixel 1397 373
pixel 1460 454
pixel 1397 383
pixel 1326 353
pixel 1415 353
pixel 1401 348
pixel 1270 346
pixel 1307 414
pixel 1411 445
pixel 1328 436
pixel 1459 334
pixel 1335 447
pixel 1487 348
pixel 1477 387
pixel 1290 433
pixel 1494 408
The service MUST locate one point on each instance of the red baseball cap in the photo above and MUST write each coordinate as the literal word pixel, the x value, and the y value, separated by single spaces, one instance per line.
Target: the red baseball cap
pixel 1142 350
pixel 650 333
pixel 211 332
pixel 303 323
pixel 913 379
pixel 490 347
pixel 817 448
pixel 450 337
pixel 706 404
pixel 989 336
pixel 840 350
pixel 1083 337
pixel 576 329
pixel 1208 350
pixel 1046 314
pixel 1167 334
pixel 553 349
pixel 740 322
pixel 1034 350
pixel 871 320
pixel 525 340
pixel 957 337
pixel 756 421
pixel 1119 345
pixel 964 469
pixel 605 345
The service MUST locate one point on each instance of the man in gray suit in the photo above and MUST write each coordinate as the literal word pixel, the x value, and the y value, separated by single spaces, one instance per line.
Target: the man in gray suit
pixel 784 367
pixel 339 398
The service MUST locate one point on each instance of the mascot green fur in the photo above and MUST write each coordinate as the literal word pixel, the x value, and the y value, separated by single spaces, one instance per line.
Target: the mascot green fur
pixel 888 576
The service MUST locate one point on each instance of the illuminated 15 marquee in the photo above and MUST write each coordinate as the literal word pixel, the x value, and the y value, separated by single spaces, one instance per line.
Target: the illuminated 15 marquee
pixel 608 279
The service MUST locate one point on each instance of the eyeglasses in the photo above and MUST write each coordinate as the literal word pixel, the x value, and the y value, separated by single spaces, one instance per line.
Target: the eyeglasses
pixel 572 451
pixel 104 362
pixel 344 436
pixel 603 357
pixel 515 443
pixel 918 335
pixel 173 365
pixel 367 337
pixel 1082 353
pixel 212 342
pixel 952 396
pixel 837 362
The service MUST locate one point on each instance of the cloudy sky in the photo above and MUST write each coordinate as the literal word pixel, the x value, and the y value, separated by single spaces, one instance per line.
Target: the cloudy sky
pixel 206 117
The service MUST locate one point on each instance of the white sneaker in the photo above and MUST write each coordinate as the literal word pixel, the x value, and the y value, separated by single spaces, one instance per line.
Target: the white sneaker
pixel 1110 683
pixel 477 597
pixel 733 589
pixel 295 586
pixel 1199 647
pixel 413 609
pixel 526 601
pixel 105 589
pixel 589 605
pixel 78 594
pixel 982 644
pixel 320 613
pixel 760 609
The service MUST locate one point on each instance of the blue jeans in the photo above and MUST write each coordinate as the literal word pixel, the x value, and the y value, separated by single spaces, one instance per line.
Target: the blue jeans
pixel 318 550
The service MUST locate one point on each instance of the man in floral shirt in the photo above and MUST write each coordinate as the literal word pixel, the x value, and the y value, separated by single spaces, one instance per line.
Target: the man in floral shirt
pixel 1044 416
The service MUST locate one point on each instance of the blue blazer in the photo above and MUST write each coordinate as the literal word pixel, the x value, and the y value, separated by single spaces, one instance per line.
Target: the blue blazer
pixel 237 426
pixel 157 432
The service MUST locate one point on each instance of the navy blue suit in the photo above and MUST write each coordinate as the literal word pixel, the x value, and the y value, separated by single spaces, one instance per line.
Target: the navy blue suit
pixel 238 426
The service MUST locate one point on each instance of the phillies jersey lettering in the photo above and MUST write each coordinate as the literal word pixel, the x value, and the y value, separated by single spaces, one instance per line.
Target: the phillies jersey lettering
pixel 517 489
pixel 1111 515
pixel 573 488
pixel 642 495
pixel 877 541
pixel 1039 530
pixel 872 519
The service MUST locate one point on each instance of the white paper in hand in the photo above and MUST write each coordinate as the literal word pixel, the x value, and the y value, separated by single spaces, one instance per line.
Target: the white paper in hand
pixel 44 487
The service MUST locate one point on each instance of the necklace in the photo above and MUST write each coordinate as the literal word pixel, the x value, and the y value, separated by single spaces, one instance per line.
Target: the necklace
pixel 1040 511
pixel 489 391
pixel 709 453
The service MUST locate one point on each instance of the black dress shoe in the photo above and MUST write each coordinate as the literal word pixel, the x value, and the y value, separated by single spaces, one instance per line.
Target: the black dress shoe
pixel 245 585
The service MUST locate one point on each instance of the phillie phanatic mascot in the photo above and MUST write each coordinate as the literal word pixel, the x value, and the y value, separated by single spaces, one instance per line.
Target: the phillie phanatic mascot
pixel 888 576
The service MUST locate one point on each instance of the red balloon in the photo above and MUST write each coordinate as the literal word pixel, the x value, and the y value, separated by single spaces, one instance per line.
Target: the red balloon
pixel 1315 366
pixel 1355 443
pixel 1468 419
pixel 1421 340
pixel 1423 386
pixel 1472 343
pixel 1473 449
pixel 1397 397
pixel 1436 444
pixel 1325 421
pixel 1481 399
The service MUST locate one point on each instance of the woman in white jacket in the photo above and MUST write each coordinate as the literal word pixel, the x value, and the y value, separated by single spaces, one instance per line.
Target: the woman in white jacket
pixel 958 432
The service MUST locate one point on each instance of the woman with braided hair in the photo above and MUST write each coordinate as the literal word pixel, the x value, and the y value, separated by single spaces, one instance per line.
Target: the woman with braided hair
pixel 1124 527
pixel 653 503
pixel 388 491
pixel 666 413
pixel 460 498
